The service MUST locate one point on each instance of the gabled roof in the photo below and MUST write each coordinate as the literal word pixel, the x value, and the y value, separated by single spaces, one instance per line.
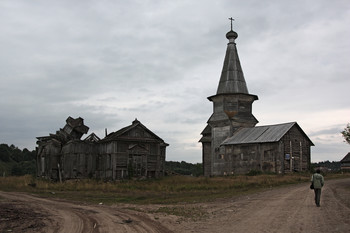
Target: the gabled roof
pixel 116 135
pixel 92 138
pixel 262 134
pixel 346 158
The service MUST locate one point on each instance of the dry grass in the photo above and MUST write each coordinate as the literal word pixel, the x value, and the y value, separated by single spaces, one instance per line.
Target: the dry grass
pixel 174 189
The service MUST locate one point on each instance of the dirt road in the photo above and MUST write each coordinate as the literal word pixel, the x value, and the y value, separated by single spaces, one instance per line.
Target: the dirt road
pixel 288 209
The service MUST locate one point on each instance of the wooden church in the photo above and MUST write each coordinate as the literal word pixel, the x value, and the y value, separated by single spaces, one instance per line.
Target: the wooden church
pixel 231 141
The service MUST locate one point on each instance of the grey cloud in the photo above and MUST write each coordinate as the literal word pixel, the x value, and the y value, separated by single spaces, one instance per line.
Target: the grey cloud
pixel 330 131
pixel 112 61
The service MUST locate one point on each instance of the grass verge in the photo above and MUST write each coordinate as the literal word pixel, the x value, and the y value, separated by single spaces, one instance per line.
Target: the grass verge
pixel 167 190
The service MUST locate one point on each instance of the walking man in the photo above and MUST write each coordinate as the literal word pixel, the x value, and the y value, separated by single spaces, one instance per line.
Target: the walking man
pixel 318 182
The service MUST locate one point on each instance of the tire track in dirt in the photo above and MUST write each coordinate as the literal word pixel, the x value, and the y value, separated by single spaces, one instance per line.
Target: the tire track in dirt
pixel 66 217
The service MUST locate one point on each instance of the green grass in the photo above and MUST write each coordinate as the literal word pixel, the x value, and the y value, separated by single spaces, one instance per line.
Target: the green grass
pixel 167 190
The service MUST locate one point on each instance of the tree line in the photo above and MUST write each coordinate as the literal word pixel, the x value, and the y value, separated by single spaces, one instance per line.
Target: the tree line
pixel 16 162
pixel 331 166
pixel 183 168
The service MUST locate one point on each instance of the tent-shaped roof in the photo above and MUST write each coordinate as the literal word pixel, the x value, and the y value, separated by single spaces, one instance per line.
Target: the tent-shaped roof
pixel 232 78
pixel 261 134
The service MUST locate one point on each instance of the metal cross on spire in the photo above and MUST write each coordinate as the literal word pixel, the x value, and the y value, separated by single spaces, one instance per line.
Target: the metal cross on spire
pixel 231 21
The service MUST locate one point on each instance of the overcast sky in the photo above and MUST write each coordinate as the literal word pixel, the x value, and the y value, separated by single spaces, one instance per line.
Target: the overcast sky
pixel 110 62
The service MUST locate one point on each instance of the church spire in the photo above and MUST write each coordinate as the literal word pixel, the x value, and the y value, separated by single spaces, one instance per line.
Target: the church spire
pixel 232 110
pixel 232 79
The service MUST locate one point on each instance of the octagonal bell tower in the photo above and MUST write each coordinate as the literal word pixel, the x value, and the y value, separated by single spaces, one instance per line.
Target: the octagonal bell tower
pixel 232 109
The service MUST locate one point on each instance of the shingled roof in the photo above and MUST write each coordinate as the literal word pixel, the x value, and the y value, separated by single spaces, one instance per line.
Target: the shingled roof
pixel 262 134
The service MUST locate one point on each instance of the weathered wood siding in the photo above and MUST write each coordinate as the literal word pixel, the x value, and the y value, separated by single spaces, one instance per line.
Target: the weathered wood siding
pixel 219 134
pixel 78 159
pixel 206 158
pixel 297 146
pixel 48 157
pixel 241 159
pixel 291 153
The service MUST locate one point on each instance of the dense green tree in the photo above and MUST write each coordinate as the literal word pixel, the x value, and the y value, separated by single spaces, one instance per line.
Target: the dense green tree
pixel 16 154
pixel 23 168
pixel 14 161
pixel 5 153
pixel 28 155
pixel 346 133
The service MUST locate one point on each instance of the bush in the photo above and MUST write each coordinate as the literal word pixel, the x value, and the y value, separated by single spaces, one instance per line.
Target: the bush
pixel 254 173
pixel 23 168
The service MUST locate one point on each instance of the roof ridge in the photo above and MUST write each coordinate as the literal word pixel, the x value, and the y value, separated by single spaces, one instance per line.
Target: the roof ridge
pixel 292 122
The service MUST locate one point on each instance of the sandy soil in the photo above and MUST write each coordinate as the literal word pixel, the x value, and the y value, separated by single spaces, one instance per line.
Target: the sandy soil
pixel 288 209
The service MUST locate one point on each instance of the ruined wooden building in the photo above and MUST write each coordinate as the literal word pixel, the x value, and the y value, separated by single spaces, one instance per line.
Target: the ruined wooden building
pixel 231 141
pixel 133 151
